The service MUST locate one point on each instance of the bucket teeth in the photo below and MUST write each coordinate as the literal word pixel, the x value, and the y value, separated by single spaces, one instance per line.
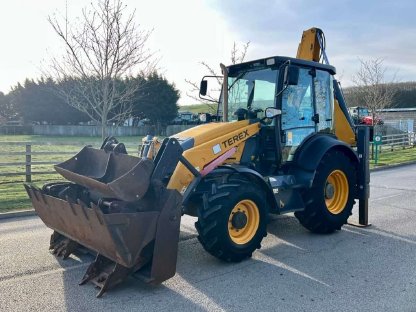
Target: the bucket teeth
pixel 62 246
pixel 105 274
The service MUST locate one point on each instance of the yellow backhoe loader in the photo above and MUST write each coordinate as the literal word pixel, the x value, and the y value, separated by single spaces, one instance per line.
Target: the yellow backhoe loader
pixel 285 143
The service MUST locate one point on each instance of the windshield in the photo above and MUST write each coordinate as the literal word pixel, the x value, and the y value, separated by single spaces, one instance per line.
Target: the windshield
pixel 252 90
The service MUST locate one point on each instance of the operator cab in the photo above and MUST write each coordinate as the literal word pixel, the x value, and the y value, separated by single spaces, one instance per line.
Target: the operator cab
pixel 301 90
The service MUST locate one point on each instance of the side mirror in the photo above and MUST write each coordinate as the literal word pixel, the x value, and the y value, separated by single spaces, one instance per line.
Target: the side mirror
pixel 203 88
pixel 291 76
pixel 213 93
pixel 272 112
pixel 203 118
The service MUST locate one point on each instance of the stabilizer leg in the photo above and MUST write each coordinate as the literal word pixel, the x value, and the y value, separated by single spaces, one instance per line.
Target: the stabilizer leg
pixel 363 139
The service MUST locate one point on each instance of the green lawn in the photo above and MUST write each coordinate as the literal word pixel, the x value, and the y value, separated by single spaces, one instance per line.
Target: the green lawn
pixel 397 156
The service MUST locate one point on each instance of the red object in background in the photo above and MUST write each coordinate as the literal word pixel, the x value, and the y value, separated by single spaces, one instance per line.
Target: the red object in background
pixel 367 120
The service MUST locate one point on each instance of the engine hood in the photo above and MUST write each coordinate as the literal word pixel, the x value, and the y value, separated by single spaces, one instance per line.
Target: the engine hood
pixel 207 132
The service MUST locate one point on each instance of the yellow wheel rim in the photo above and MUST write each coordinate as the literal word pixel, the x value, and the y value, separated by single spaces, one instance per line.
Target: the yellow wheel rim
pixel 245 231
pixel 336 191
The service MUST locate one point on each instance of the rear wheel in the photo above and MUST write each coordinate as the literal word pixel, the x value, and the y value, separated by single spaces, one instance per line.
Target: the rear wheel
pixel 329 202
pixel 232 221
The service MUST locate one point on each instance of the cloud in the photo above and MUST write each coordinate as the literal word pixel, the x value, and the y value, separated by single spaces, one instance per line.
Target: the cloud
pixel 354 29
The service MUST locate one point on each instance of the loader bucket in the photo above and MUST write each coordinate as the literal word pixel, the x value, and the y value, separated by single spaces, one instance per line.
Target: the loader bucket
pixel 117 206
pixel 111 174
pixel 125 242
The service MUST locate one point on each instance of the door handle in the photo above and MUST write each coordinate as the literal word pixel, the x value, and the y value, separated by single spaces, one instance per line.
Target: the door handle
pixel 315 118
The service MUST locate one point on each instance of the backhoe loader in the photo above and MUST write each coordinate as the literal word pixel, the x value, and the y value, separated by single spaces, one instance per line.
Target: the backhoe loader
pixel 285 143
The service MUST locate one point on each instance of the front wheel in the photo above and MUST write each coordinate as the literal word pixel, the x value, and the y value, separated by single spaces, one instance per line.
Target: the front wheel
pixel 329 202
pixel 232 223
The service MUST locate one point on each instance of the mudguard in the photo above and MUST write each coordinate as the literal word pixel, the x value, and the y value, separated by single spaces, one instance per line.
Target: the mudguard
pixel 309 154
pixel 257 178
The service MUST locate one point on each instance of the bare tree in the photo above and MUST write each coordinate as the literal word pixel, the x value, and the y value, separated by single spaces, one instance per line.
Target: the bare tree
pixel 238 55
pixel 372 87
pixel 104 47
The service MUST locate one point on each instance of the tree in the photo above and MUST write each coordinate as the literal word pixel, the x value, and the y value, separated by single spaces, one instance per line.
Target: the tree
pixel 8 109
pixel 35 101
pixel 238 55
pixel 103 48
pixel 157 100
pixel 372 87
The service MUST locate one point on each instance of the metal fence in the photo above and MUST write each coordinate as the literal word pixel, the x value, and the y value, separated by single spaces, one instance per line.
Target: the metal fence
pixel 394 141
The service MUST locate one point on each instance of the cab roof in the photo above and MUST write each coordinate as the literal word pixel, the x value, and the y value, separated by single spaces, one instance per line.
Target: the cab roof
pixel 276 62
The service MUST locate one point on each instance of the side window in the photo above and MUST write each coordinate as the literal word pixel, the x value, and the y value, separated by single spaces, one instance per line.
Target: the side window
pixel 324 100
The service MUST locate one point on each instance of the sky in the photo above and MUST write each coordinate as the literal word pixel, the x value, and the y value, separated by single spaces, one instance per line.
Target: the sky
pixel 186 32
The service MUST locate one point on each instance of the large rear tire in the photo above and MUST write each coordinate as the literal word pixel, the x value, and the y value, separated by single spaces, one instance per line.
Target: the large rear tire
pixel 329 202
pixel 232 222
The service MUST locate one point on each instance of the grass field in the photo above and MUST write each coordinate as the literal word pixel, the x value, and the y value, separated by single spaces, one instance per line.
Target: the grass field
pixel 397 156
pixel 14 197
pixel 12 193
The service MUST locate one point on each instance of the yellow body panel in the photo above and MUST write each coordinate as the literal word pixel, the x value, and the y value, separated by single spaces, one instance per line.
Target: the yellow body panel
pixel 207 132
pixel 343 130
pixel 224 136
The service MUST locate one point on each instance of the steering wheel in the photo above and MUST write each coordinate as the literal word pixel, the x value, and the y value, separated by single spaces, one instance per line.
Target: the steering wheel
pixel 243 113
pixel 257 110
pixel 264 120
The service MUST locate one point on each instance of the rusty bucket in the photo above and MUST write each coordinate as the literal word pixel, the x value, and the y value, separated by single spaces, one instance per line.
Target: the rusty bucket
pixel 114 209
pixel 111 174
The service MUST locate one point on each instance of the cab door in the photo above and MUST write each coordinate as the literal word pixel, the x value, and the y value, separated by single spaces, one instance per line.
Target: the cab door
pixel 298 119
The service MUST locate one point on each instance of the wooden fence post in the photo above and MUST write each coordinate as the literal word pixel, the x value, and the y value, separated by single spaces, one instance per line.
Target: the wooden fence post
pixel 28 163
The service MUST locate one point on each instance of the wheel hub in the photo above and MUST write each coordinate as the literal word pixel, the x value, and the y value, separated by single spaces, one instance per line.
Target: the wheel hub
pixel 243 221
pixel 336 191
pixel 329 191
pixel 239 220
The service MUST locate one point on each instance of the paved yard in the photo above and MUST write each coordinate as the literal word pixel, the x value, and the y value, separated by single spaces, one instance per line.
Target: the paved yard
pixel 355 269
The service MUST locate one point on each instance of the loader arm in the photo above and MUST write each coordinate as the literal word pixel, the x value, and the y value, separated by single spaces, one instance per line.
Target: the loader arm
pixel 309 48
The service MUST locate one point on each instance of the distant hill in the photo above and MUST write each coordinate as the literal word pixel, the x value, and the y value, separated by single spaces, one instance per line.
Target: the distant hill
pixel 199 108
pixel 405 95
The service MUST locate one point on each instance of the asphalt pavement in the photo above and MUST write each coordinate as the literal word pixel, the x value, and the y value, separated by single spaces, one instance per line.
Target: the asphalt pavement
pixel 355 269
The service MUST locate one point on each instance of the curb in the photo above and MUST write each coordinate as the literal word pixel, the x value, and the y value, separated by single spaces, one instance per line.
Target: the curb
pixel 18 214
pixel 386 167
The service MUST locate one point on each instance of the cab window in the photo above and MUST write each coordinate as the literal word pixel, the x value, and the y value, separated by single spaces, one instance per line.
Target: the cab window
pixel 324 100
